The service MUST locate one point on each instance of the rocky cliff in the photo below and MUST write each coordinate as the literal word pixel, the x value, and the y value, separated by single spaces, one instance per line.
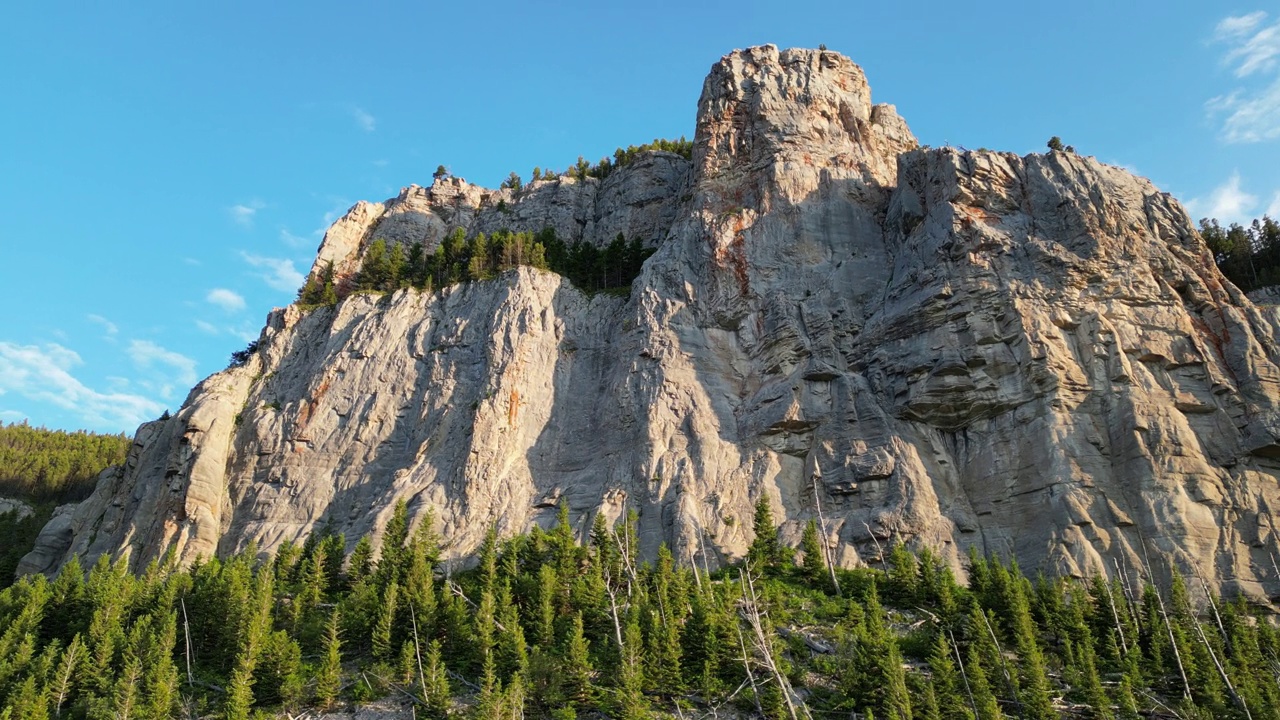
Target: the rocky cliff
pixel 1032 355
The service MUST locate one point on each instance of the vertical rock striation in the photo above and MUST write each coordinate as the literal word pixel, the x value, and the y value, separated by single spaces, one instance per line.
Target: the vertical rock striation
pixel 1034 356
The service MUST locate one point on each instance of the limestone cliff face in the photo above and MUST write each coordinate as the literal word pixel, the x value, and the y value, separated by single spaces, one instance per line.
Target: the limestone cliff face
pixel 1031 355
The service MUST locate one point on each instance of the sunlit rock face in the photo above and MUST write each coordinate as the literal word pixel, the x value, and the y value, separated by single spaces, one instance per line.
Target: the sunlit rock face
pixel 1034 356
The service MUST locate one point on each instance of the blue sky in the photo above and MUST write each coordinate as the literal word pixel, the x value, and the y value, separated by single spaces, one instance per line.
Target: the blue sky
pixel 166 172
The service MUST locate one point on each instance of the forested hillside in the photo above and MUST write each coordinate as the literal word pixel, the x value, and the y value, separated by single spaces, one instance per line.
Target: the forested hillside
pixel 459 259
pixel 40 464
pixel 546 626
pixel 1247 254
pixel 45 468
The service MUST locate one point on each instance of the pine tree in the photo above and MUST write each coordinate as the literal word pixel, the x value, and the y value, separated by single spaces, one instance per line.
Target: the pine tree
pixel 126 698
pixel 484 627
pixel 383 643
pixel 883 662
pixel 547 602
pixel 375 270
pixel 766 550
pixel 662 671
pixel 329 674
pixel 66 675
pixel 983 646
pixel 630 698
pixel 983 696
pixel 576 668
pixel 927 707
pixel 947 685
pixel 361 564
pixel 279 675
pixel 436 692
pixel 488 560
pixel 255 626
pixel 30 702
pixel 815 567
pixel 392 563
pixel 512 650
pixel 160 679
pixel 903 574
pixel 1032 677
pixel 420 594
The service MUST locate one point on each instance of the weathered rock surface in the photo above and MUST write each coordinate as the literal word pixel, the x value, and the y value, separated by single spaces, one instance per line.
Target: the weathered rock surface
pixel 17 507
pixel 1032 355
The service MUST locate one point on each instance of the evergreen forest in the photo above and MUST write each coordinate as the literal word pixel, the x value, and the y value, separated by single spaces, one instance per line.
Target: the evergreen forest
pixel 40 464
pixel 547 626
pixel 1249 255
pixel 46 468
pixel 389 267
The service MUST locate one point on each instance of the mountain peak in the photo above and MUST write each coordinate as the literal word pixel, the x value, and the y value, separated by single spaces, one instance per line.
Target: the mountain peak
pixel 1031 356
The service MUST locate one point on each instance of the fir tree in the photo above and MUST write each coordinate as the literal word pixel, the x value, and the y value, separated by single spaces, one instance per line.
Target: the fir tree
pixel 30 702
pixel 576 670
pixel 329 674
pixel 983 696
pixel 903 574
pixel 1033 680
pixel 630 698
pixel 254 628
pixel 361 564
pixel 815 566
pixel 766 550
pixel 436 693
pixel 947 686
pixel 383 643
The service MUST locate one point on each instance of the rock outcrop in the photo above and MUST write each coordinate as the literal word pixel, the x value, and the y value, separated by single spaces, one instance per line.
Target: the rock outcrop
pixel 1032 355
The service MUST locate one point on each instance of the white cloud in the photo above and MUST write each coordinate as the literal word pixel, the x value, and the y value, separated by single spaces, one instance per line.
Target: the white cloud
pixel 43 374
pixel 278 273
pixel 1252 112
pixel 1251 117
pixel 225 299
pixel 12 415
pixel 364 120
pixel 1238 26
pixel 244 213
pixel 1273 210
pixel 154 359
pixel 106 324
pixel 1253 48
pixel 243 332
pixel 1227 203
pixel 294 241
pixel 381 163
pixel 145 354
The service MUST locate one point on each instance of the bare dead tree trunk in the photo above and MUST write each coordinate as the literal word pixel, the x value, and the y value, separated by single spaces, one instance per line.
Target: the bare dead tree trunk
pixel 1115 616
pixel 417 650
pixel 1169 627
pixel 763 646
pixel 826 549
pixel 955 649
pixel 1004 666
pixel 746 665
pixel 186 634
pixel 1231 689
pixel 613 607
